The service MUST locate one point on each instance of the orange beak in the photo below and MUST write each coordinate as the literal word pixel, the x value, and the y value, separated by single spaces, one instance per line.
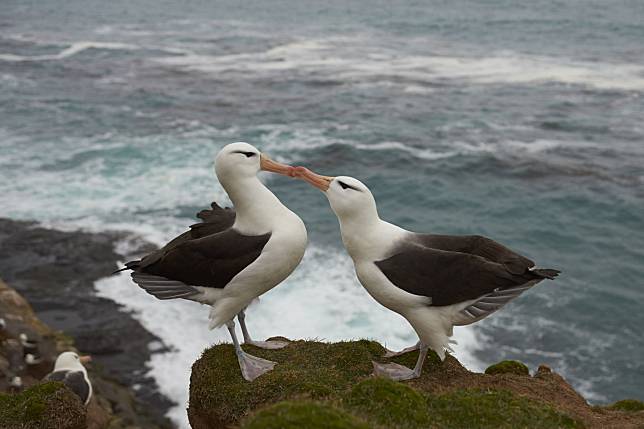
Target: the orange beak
pixel 267 164
pixel 320 182
pixel 85 359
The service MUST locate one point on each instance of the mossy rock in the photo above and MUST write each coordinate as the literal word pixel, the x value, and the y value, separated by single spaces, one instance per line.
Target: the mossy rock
pixel 508 367
pixel 493 409
pixel 389 403
pixel 44 406
pixel 305 369
pixel 303 414
pixel 627 405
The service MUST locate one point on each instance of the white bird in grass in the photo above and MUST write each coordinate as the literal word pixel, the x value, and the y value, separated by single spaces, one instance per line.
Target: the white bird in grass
pixel 436 282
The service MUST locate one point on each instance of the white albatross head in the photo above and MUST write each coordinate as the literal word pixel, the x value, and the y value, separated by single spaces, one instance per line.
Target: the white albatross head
pixel 71 361
pixel 349 198
pixel 241 160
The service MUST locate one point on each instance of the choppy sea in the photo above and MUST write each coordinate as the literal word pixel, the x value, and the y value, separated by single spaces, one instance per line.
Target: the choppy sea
pixel 523 121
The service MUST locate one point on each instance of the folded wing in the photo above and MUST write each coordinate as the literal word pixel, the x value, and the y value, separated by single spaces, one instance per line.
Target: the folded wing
pixel 210 261
pixel 479 246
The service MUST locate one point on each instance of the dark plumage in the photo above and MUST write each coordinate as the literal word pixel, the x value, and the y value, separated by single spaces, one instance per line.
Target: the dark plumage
pixel 453 269
pixel 210 254
pixel 75 380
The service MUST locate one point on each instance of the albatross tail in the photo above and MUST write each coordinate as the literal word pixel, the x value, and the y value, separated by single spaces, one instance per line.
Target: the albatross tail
pixel 163 288
pixel 546 273
pixel 132 265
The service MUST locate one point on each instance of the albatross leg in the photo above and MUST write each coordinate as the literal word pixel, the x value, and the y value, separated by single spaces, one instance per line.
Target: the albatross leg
pixel 399 372
pixel 251 366
pixel 391 353
pixel 271 345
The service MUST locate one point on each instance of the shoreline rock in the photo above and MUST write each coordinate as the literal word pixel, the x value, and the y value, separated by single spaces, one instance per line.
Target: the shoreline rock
pixel 113 405
pixel 333 381
pixel 55 271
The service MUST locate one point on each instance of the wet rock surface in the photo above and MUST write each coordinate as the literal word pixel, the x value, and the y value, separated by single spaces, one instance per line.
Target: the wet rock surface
pixel 55 271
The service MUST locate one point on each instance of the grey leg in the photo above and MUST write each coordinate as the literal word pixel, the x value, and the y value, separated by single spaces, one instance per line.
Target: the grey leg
pixel 271 345
pixel 251 366
pixel 399 372
pixel 391 353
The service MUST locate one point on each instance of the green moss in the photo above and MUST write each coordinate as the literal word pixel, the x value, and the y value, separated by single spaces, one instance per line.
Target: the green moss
pixel 627 405
pixel 42 406
pixel 493 409
pixel 304 414
pixel 305 368
pixel 389 403
pixel 508 367
pixel 329 385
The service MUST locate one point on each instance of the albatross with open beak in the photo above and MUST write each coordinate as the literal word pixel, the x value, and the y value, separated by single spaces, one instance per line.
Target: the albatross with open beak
pixel 232 256
pixel 436 282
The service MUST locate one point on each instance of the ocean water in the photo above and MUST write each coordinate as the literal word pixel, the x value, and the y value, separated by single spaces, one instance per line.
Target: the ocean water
pixel 523 121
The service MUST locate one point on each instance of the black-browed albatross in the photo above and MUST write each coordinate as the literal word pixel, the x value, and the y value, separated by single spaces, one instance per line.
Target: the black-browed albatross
pixel 232 256
pixel 436 282
pixel 70 371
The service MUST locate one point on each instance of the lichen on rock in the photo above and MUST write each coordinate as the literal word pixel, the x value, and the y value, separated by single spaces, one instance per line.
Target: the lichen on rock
pixel 303 414
pixel 508 367
pixel 43 406
pixel 627 405
pixel 317 383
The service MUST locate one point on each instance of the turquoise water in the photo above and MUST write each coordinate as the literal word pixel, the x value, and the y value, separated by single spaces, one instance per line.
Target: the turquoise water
pixel 523 122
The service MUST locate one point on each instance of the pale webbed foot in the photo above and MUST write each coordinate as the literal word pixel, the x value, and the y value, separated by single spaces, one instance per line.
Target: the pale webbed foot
pixel 253 366
pixel 391 353
pixel 393 371
pixel 268 345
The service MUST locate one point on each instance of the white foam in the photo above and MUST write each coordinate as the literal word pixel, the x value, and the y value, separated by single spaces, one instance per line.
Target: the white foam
pixel 72 50
pixel 356 60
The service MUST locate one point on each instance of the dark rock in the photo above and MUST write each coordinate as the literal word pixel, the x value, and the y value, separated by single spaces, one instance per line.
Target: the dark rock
pixel 55 271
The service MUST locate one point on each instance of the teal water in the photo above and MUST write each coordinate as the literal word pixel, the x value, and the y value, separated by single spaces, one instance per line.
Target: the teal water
pixel 520 121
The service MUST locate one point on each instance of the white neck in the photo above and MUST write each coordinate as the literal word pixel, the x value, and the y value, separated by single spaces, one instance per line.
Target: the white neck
pixel 367 237
pixel 256 206
pixel 70 367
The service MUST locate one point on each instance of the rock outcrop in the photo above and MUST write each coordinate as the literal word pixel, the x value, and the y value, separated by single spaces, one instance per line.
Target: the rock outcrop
pixel 28 404
pixel 55 271
pixel 322 385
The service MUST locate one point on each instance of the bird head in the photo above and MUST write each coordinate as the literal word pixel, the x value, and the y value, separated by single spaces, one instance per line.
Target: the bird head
pixel 70 360
pixel 239 160
pixel 349 198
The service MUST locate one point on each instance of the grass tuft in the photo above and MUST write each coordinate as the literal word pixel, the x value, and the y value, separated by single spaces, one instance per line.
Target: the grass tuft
pixel 303 414
pixel 389 403
pixel 493 409
pixel 627 405
pixel 508 367
pixel 44 406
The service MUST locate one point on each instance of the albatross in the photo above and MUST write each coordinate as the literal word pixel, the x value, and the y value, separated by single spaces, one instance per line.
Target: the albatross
pixel 234 255
pixel 70 371
pixel 434 281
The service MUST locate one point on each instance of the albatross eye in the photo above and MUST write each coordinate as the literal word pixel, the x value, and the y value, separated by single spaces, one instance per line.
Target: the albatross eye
pixel 248 154
pixel 345 186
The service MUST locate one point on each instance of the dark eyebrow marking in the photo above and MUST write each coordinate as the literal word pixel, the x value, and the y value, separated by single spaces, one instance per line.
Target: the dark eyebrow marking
pixel 248 154
pixel 345 186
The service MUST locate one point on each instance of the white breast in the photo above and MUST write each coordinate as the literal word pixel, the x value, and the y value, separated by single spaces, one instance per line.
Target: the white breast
pixel 385 292
pixel 280 256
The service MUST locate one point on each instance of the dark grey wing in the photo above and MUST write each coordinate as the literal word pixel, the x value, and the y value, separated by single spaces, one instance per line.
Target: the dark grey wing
pixel 214 220
pixel 75 380
pixel 216 217
pixel 448 277
pixel 56 376
pixel 479 246
pixel 210 261
pixel 491 302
